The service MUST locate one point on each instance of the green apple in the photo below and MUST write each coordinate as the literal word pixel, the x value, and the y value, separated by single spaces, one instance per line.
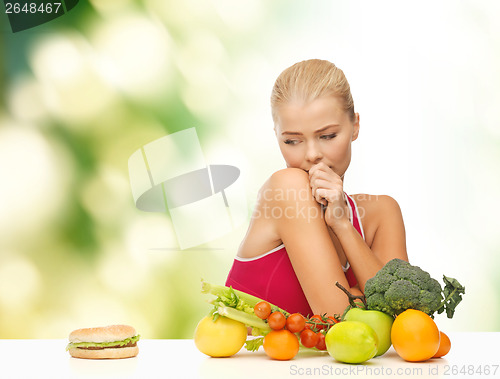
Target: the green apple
pixel 351 342
pixel 380 322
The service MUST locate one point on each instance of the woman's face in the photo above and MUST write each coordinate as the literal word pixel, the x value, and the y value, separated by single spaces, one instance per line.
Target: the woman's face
pixel 318 131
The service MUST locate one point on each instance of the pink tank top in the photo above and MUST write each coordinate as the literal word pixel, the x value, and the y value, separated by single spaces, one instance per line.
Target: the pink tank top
pixel 271 277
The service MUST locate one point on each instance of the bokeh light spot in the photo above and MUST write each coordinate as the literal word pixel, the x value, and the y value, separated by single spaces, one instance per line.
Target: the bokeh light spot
pixel 19 284
pixel 136 51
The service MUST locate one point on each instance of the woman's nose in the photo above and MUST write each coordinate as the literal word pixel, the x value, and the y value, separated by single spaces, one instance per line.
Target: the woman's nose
pixel 313 153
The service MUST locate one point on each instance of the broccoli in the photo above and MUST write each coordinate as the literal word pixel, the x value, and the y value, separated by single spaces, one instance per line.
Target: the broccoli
pixel 399 286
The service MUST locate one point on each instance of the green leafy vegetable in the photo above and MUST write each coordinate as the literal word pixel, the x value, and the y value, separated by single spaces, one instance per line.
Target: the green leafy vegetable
pixel 234 298
pixel 453 292
pixel 254 344
pixel 238 306
pixel 246 318
pixel 399 286
pixel 103 344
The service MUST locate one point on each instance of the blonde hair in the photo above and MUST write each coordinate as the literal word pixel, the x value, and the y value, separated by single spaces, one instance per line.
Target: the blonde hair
pixel 307 80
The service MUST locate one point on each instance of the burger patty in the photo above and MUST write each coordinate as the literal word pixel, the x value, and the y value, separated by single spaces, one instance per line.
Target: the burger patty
pixel 130 344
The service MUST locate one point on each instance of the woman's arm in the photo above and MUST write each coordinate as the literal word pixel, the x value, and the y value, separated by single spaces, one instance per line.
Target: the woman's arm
pixel 389 240
pixel 299 222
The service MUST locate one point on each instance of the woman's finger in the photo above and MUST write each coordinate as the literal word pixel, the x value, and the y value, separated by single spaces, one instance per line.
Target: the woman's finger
pixel 320 196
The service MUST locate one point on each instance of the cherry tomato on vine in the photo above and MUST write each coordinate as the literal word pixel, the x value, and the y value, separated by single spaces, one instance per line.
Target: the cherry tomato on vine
pixel 330 320
pixel 295 323
pixel 321 345
pixel 333 319
pixel 315 319
pixel 308 338
pixel 276 320
pixel 262 309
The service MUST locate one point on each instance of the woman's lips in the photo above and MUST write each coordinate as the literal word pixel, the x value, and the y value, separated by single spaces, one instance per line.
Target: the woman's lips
pixel 328 166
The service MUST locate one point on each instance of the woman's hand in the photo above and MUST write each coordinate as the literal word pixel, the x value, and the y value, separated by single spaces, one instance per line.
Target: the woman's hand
pixel 327 189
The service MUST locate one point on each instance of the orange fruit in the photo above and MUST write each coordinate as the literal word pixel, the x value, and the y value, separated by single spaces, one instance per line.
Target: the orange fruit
pixel 281 344
pixel 444 346
pixel 415 336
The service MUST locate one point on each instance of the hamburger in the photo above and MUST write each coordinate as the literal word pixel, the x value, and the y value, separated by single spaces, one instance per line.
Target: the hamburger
pixel 107 342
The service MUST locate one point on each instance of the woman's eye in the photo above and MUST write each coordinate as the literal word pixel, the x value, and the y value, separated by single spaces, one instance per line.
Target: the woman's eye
pixel 329 136
pixel 290 141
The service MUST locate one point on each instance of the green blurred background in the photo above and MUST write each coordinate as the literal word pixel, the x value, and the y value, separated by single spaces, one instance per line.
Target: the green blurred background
pixel 82 93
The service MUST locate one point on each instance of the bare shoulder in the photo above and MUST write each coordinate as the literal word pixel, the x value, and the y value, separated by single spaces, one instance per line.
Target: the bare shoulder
pixel 377 203
pixel 377 211
pixel 288 184
pixel 288 177
pixel 262 235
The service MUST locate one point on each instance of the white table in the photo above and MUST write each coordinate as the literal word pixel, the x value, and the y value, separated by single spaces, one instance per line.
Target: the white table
pixel 470 353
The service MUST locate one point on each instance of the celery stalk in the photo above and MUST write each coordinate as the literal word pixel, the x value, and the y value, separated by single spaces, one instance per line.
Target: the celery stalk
pixel 223 291
pixel 243 317
pixel 218 290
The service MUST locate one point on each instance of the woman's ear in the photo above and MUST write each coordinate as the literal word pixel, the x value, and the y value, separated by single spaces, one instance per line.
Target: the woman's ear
pixel 355 132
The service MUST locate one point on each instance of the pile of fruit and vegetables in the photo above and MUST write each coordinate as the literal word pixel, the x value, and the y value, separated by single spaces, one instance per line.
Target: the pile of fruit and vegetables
pixel 397 309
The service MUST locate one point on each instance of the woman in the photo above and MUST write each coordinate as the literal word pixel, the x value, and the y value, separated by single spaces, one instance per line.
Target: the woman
pixel 306 233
